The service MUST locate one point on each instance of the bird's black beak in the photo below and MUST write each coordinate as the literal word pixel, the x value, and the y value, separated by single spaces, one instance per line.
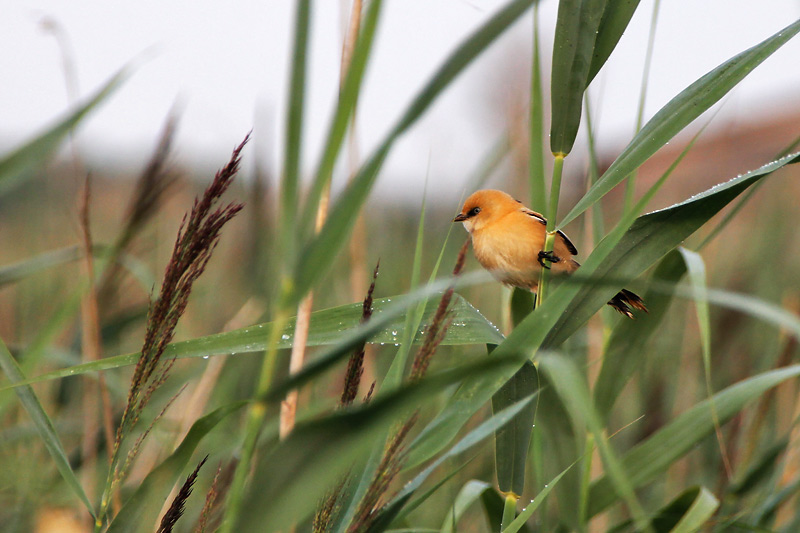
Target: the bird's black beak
pixel 461 217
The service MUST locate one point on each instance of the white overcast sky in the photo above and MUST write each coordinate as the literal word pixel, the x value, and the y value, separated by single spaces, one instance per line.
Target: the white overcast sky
pixel 227 63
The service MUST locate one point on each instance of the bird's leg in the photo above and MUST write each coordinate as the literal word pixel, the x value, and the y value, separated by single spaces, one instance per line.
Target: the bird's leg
pixel 550 256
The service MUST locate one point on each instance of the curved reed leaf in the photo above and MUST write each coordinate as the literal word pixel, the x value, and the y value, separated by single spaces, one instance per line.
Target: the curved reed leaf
pixel 44 426
pixel 649 459
pixel 337 325
pixel 298 472
pixel 572 389
pixel 678 113
pixel 345 107
pixel 685 514
pixel 513 441
pixel 22 269
pixel 616 16
pixel 576 31
pixel 294 130
pixel 470 493
pixel 587 31
pixel 16 164
pixel 696 506
pixel 647 240
pixel 520 521
pixel 396 507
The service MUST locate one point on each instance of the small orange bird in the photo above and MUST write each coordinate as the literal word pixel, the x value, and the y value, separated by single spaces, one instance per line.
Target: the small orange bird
pixel 508 239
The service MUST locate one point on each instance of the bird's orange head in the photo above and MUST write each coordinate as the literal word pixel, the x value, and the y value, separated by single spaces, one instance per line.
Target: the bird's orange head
pixel 484 207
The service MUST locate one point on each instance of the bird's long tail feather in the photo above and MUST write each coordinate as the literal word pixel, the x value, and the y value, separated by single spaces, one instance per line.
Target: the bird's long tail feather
pixel 625 300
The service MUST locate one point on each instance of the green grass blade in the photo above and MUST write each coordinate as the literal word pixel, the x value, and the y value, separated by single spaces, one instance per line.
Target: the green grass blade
pixel 335 326
pixel 139 512
pixel 331 238
pixel 761 468
pixel 22 269
pixel 385 518
pixel 513 441
pixel 471 396
pixel 686 513
pixel 21 161
pixel 696 268
pixel 573 391
pixel 471 492
pixel 493 506
pixel 484 430
pixel 623 356
pixel 394 376
pixel 520 521
pixel 769 507
pixel 647 240
pixel 649 459
pixel 345 107
pixel 576 31
pixel 616 17
pixel 598 224
pixel 536 148
pixel 294 131
pixel 678 113
pixel 44 426
pixel 294 478
pixel 703 505
pixel 364 476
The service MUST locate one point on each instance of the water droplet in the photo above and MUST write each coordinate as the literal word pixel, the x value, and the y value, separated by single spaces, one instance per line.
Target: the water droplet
pixel 285 337
pixel 394 333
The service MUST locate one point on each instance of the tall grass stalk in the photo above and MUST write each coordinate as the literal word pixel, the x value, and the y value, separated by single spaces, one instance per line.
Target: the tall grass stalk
pixel 297 355
pixel 92 351
pixel 536 148
pixel 552 212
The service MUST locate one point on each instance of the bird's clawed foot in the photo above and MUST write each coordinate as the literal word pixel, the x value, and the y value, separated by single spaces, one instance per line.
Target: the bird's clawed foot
pixel 550 256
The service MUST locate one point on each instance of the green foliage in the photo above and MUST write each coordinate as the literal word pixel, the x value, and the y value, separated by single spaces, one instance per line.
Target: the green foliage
pixel 617 397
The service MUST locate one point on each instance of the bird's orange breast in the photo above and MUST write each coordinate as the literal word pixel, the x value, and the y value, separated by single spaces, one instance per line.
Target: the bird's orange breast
pixel 509 249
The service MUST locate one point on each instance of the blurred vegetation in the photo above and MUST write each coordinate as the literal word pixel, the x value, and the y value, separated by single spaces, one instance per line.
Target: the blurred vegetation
pixel 680 420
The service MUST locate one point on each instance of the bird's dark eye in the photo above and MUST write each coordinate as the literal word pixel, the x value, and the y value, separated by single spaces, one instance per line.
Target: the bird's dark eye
pixel 474 211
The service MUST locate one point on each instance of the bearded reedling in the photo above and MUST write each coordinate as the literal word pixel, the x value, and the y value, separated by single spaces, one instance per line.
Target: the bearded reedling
pixel 508 240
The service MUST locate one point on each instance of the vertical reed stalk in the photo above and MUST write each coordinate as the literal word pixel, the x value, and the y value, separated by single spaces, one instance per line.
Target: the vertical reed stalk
pixel 297 357
pixel 255 420
pixel 552 212
pixel 536 135
pixel 91 347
